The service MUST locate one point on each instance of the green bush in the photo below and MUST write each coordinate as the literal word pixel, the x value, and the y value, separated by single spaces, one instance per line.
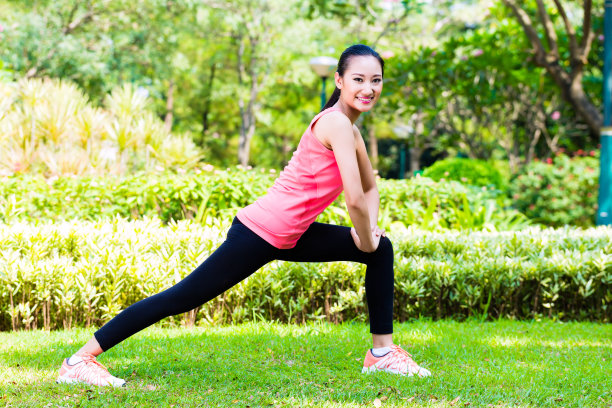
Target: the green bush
pixel 559 192
pixel 468 171
pixel 213 194
pixel 61 275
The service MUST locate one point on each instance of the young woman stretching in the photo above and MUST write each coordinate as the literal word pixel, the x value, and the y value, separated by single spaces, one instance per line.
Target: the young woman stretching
pixel 331 157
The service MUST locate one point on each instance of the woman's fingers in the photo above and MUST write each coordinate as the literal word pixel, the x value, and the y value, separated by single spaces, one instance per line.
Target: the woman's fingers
pixel 379 232
pixel 355 238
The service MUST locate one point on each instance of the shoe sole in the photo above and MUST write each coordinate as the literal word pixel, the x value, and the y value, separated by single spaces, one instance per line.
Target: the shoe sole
pixel 373 369
pixel 65 380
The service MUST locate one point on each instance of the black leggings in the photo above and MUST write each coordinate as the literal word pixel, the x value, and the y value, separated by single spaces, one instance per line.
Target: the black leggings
pixel 243 253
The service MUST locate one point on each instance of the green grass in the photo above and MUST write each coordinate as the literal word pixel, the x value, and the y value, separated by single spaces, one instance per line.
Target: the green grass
pixel 505 363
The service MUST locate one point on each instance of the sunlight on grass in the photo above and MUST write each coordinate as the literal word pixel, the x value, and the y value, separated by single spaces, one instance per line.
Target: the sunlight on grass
pixel 500 364
pixel 507 341
pixel 12 375
pixel 573 344
pixel 558 344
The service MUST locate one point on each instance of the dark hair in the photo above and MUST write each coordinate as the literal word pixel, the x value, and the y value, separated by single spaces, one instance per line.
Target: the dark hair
pixel 357 50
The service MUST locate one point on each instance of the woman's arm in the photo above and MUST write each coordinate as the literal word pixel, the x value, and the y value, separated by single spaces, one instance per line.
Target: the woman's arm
pixel 336 129
pixel 368 180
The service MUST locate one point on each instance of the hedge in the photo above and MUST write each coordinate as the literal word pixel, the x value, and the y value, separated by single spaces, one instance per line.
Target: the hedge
pixel 81 273
pixel 218 194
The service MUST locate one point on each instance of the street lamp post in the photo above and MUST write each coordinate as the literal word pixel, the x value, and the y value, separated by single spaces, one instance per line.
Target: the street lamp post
pixel 604 210
pixel 323 67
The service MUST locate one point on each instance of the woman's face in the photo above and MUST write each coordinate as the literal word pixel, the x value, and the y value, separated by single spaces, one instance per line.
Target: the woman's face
pixel 361 84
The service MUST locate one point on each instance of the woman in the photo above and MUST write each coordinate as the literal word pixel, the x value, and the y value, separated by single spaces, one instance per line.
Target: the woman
pixel 331 157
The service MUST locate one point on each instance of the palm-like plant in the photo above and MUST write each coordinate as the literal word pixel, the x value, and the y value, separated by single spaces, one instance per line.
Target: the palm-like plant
pixel 48 125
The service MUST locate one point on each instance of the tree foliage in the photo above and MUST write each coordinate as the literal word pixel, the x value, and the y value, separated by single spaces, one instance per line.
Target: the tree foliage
pixel 566 55
pixel 234 75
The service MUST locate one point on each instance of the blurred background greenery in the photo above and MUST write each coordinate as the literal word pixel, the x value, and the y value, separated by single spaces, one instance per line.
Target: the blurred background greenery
pixel 131 132
pixel 99 87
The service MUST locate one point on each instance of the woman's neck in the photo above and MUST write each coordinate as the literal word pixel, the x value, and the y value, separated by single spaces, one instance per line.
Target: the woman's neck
pixel 351 113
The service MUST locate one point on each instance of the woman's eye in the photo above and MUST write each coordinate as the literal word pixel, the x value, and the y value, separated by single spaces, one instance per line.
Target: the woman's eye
pixel 377 80
pixel 358 79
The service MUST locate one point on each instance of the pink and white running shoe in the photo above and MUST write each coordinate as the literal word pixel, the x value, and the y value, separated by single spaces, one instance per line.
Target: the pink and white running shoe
pixel 87 370
pixel 397 361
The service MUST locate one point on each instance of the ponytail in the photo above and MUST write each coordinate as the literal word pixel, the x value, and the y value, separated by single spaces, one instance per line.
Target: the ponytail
pixel 332 99
pixel 353 50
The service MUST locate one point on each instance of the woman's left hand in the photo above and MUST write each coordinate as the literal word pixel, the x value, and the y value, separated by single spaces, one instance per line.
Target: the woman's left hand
pixel 379 232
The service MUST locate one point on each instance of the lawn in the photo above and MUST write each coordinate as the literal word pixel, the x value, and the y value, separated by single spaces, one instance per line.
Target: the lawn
pixel 503 363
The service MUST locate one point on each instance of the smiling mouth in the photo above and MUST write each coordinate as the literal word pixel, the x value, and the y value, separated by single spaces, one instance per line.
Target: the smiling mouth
pixel 365 100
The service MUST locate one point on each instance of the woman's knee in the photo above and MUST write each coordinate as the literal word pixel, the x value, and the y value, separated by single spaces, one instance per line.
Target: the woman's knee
pixel 386 242
pixel 385 247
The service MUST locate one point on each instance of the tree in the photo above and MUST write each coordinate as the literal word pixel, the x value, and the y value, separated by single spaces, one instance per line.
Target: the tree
pixel 476 93
pixel 252 27
pixel 57 39
pixel 566 67
pixel 378 24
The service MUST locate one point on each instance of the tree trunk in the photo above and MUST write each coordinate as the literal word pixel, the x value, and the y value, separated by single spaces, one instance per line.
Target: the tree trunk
pixel 206 111
pixel 169 107
pixel 415 156
pixel 247 110
pixel 569 82
pixel 589 112
pixel 573 93
pixel 246 135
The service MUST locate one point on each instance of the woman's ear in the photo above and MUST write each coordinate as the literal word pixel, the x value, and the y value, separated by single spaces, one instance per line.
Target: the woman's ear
pixel 338 80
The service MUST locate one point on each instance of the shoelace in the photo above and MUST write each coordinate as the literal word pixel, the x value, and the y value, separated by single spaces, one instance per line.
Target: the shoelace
pixel 401 351
pixel 91 369
pixel 399 356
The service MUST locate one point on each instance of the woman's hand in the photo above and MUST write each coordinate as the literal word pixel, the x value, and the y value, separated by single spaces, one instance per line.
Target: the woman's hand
pixel 377 233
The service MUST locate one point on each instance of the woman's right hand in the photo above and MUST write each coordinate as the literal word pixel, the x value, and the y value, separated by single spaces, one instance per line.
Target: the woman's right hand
pixel 376 234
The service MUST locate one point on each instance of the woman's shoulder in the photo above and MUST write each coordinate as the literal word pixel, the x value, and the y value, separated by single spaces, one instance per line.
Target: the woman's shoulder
pixel 334 121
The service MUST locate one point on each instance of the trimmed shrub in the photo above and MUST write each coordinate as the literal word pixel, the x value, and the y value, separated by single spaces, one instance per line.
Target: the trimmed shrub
pixel 468 171
pixel 214 194
pixel 83 273
pixel 559 192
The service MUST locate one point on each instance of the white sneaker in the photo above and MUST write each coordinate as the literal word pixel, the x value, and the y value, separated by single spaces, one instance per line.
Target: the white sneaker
pixel 397 361
pixel 87 370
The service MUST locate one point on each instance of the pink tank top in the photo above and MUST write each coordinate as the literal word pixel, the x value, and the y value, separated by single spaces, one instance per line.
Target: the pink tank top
pixel 307 185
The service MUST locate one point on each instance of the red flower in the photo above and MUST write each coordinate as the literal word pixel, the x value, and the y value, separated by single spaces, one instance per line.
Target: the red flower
pixel 549 160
